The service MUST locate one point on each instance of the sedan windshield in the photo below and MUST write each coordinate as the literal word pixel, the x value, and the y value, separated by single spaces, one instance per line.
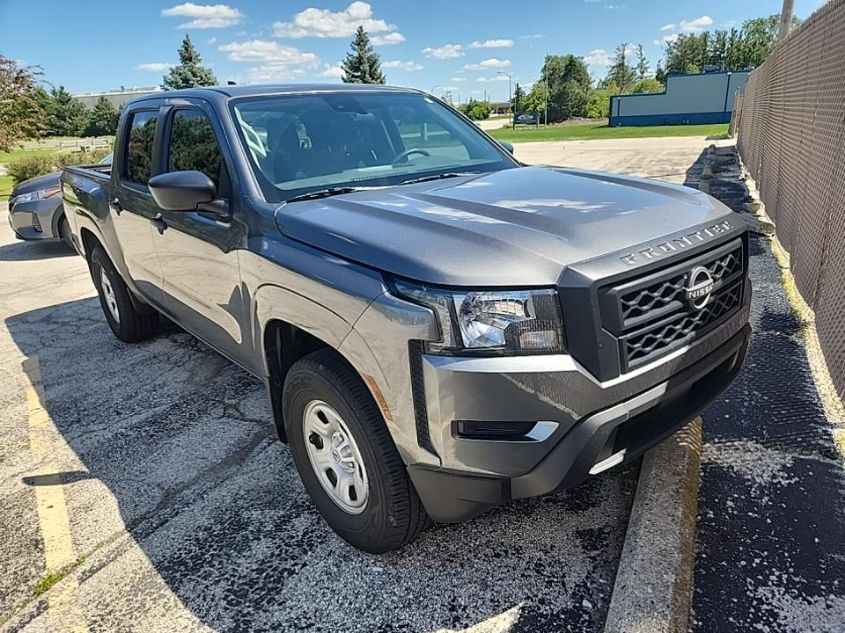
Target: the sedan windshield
pixel 303 143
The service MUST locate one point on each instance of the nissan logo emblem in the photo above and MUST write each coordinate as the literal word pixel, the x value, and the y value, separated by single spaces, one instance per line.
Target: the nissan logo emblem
pixel 699 287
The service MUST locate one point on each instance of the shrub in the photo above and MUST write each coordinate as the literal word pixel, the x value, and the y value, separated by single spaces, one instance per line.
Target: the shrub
pixel 88 156
pixel 30 167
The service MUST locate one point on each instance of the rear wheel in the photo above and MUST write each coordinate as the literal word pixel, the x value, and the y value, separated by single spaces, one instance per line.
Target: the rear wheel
pixel 346 457
pixel 64 232
pixel 128 323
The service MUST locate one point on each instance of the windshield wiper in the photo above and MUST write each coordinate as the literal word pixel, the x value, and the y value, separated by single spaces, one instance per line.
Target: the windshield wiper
pixel 448 174
pixel 325 193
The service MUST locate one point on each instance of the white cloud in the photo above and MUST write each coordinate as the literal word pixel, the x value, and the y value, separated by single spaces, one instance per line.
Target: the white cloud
pixel 598 57
pixel 447 51
pixel 270 52
pixel 211 40
pixel 483 80
pixel 489 64
pixel 615 7
pixel 457 79
pixel 697 25
pixel 154 66
pixel 335 72
pixel 668 27
pixel 387 39
pixel 272 72
pixel 504 43
pixel 533 36
pixel 670 38
pixel 204 16
pixel 400 65
pixel 314 22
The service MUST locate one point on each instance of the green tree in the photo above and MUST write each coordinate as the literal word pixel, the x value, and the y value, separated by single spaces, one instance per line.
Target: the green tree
pixel 620 72
pixel 22 115
pixel 598 102
pixel 536 99
pixel 190 71
pixel 649 84
pixel 642 63
pixel 568 81
pixel 65 115
pixel 102 119
pixel 518 100
pixel 362 64
pixel 476 110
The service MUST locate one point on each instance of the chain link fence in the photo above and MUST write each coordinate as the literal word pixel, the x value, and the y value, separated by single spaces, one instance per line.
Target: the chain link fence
pixel 792 140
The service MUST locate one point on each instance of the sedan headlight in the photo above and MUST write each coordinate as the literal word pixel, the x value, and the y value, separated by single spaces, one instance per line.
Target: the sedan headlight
pixel 32 196
pixel 492 321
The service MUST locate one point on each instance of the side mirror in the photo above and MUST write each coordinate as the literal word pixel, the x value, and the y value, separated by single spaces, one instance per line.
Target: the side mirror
pixel 182 190
pixel 507 146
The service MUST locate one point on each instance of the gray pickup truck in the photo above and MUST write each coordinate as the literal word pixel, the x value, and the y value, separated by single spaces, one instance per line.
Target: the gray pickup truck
pixel 440 328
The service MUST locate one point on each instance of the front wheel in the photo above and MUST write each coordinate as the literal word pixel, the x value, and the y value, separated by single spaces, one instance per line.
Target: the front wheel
pixel 346 457
pixel 127 322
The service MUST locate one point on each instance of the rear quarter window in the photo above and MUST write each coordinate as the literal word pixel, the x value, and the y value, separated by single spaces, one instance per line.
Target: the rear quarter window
pixel 139 146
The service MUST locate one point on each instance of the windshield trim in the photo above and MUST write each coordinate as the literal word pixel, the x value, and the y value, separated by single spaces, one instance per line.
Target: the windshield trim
pixel 260 178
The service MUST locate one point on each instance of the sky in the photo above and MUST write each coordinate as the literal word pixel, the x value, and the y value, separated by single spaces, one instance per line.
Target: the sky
pixel 464 47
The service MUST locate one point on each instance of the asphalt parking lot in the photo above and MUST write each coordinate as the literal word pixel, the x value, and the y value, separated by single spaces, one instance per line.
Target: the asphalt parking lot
pixel 151 476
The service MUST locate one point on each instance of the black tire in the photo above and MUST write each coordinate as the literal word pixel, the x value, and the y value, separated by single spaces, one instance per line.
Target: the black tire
pixel 64 232
pixel 393 515
pixel 132 325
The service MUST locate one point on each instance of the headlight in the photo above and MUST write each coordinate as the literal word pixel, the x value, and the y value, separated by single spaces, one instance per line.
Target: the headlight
pixel 493 321
pixel 32 196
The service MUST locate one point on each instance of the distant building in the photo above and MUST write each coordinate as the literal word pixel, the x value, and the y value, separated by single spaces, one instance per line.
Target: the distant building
pixel 117 97
pixel 699 98
pixel 500 107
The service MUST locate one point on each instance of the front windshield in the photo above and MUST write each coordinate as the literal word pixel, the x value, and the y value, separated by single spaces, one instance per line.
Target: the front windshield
pixel 303 143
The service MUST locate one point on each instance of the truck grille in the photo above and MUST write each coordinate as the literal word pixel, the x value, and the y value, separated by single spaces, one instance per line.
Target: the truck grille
pixel 651 316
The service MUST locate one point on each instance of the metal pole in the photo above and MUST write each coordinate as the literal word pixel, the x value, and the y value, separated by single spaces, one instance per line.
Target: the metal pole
pixel 785 19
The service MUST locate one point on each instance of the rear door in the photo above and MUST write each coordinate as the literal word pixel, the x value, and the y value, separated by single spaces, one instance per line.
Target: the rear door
pixel 198 250
pixel 132 206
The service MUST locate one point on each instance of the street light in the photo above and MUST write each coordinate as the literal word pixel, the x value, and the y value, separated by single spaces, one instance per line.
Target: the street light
pixel 510 96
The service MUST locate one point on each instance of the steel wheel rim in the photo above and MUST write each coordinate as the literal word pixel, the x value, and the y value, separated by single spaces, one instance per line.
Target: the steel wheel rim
pixel 108 295
pixel 334 457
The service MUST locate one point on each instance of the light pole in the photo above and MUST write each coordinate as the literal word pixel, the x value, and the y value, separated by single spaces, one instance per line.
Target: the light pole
pixel 510 96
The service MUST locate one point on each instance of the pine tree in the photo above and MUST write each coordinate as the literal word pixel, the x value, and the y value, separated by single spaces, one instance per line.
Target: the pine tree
pixel 190 72
pixel 642 63
pixel 620 72
pixel 102 119
pixel 65 115
pixel 362 64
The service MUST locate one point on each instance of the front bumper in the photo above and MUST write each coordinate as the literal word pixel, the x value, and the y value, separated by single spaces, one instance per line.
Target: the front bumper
pixel 36 220
pixel 633 414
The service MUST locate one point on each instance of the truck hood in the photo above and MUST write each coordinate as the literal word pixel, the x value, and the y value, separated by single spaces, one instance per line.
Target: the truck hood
pixel 517 227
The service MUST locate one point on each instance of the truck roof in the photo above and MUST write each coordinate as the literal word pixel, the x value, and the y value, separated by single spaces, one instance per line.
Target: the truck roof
pixel 268 89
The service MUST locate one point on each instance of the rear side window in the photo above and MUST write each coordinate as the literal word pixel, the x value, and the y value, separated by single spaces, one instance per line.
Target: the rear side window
pixel 139 148
pixel 193 146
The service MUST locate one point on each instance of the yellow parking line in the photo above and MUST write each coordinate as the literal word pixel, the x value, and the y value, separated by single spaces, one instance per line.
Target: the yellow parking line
pixel 50 501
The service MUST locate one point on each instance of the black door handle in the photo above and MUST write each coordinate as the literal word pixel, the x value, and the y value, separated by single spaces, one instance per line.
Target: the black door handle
pixel 116 204
pixel 159 223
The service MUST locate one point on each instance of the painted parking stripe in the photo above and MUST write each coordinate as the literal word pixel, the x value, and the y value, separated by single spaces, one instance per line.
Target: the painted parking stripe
pixel 53 517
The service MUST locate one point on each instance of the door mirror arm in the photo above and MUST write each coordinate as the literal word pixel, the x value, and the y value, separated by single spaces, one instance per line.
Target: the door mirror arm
pixel 218 209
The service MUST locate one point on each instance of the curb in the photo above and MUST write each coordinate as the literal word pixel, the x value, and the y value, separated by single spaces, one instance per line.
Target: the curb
pixel 653 588
pixel 654 581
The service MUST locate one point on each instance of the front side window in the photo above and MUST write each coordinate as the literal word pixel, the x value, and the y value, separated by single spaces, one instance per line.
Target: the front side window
pixel 139 148
pixel 193 146
pixel 302 143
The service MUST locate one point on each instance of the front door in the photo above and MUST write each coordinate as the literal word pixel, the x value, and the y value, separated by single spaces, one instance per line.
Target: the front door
pixel 132 207
pixel 198 250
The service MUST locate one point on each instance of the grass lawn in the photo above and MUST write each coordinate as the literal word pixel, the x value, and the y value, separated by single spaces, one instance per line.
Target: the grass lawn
pixel 23 152
pixel 591 131
pixel 5 187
